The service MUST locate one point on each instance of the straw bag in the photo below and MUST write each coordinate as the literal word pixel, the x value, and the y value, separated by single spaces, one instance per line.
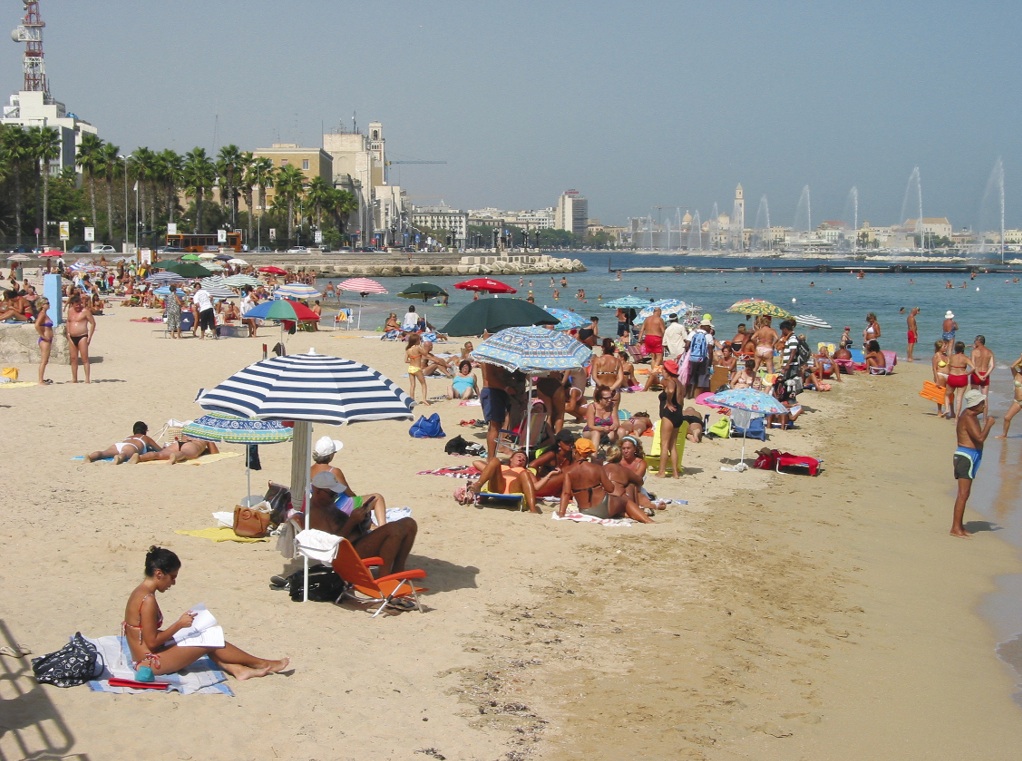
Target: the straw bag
pixel 251 521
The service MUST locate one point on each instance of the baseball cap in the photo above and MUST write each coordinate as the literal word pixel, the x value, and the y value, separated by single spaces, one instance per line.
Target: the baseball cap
pixel 584 446
pixel 327 446
pixel 972 398
pixel 327 480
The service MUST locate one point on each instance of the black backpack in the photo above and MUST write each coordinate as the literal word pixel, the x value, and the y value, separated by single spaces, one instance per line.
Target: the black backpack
pixel 76 663
pixel 324 585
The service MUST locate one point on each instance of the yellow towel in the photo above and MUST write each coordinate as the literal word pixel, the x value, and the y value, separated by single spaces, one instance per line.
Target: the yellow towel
pixel 221 534
pixel 18 384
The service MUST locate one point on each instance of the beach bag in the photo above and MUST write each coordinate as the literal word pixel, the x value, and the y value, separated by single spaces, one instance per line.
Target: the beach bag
pixel 427 428
pixel 252 522
pixel 324 585
pixel 75 663
pixel 11 373
pixel 804 353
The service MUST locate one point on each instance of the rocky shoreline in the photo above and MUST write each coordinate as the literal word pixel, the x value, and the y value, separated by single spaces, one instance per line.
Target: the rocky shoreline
pixel 402 265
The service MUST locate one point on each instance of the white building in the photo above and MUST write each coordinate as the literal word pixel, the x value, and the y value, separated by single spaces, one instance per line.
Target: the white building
pixel 572 213
pixel 442 218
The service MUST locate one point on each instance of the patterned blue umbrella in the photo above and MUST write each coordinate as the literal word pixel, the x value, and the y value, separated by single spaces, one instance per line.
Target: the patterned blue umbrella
pixel 751 403
pixel 568 320
pixel 627 302
pixel 666 306
pixel 533 349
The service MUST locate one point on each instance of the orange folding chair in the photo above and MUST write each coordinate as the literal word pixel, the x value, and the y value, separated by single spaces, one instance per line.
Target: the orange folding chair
pixel 385 589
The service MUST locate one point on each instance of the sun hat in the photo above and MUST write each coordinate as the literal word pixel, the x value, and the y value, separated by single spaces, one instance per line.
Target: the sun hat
pixel 706 322
pixel 949 315
pixel 327 480
pixel 327 446
pixel 972 398
pixel 671 366
pixel 584 446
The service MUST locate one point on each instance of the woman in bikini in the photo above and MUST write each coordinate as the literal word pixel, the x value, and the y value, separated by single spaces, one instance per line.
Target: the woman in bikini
pixel 414 359
pixel 607 368
pixel 938 364
pixel 875 357
pixel 179 450
pixel 1016 402
pixel 630 382
pixel 745 377
pixel 602 418
pixel 958 370
pixel 872 331
pixel 44 327
pixel 153 646
pixel 138 443
pixel 511 478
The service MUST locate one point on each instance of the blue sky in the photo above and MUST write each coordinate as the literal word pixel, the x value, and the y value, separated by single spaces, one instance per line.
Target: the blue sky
pixel 636 105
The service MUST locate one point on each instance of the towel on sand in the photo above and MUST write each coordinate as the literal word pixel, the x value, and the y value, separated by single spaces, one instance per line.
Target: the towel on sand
pixel 202 676
pixel 221 534
pixel 454 471
pixel 580 518
pixel 204 460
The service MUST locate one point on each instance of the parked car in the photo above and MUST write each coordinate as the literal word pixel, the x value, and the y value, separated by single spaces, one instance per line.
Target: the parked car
pixel 170 250
pixel 262 250
pixel 20 250
pixel 298 250
pixel 103 248
pixel 81 248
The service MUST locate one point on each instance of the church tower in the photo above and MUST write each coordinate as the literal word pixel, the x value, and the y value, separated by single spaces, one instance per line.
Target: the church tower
pixel 738 221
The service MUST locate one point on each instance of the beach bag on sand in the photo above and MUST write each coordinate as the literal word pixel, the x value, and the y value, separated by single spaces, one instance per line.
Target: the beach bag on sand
pixel 252 522
pixel 75 663
pixel 324 585
pixel 427 428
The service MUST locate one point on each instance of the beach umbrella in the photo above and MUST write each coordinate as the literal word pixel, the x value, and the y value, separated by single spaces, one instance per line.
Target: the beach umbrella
pixel 363 286
pixel 237 262
pixel 206 256
pixel 487 284
pixel 240 281
pixel 162 278
pixel 309 388
pixel 491 315
pixel 213 281
pixel 296 291
pixel 748 403
pixel 194 257
pixel 567 320
pixel 281 310
pixel 52 252
pixel 666 306
pixel 811 321
pixel 533 349
pixel 188 269
pixel 223 257
pixel 271 270
pixel 19 258
pixel 164 290
pixel 758 307
pixel 422 291
pixel 230 429
pixel 221 292
pixel 627 302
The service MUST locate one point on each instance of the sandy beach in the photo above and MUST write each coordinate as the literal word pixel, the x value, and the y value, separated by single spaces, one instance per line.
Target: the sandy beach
pixel 773 617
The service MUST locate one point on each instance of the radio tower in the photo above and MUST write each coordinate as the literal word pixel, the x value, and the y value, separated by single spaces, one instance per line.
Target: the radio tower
pixel 30 31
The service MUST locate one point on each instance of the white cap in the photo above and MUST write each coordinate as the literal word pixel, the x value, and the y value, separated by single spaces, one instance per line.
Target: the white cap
pixel 327 446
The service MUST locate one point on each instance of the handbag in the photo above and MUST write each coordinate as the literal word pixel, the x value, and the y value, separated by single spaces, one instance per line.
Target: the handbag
pixel 427 428
pixel 250 521
pixel 75 663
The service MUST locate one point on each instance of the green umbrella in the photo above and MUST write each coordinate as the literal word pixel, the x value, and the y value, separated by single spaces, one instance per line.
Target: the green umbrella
pixel 496 314
pixel 422 291
pixel 187 269
pixel 191 258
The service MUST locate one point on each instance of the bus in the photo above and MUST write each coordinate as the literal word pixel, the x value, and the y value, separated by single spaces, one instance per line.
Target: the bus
pixel 203 242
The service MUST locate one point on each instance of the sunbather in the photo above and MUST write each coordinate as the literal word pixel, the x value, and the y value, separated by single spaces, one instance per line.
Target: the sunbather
pixel 153 646
pixel 179 450
pixel 512 477
pixel 138 443
pixel 594 492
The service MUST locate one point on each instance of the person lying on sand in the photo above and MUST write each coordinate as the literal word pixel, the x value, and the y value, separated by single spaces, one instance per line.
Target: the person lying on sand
pixel 179 450
pixel 138 443
pixel 153 646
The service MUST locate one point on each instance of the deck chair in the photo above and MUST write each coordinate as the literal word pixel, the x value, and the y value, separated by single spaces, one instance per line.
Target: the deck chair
pixel 383 590
pixel 890 360
pixel 756 430
pixel 539 431
pixel 652 457
pixel 719 378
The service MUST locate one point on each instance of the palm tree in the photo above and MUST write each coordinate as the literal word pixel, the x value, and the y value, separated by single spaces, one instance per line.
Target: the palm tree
pixel 88 159
pixel 143 162
pixel 198 175
pixel 290 187
pixel 168 172
pixel 245 164
pixel 14 153
pixel 318 197
pixel 227 161
pixel 44 147
pixel 109 167
pixel 260 174
pixel 343 204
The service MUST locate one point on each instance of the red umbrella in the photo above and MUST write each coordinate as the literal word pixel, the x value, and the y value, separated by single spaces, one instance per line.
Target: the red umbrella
pixel 487 284
pixel 271 270
pixel 52 252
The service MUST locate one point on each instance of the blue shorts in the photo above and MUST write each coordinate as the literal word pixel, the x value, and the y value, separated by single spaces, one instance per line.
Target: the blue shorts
pixel 495 404
pixel 967 460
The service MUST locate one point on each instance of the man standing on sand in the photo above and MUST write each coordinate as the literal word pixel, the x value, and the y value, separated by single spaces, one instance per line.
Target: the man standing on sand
pixel 207 317
pixel 969 453
pixel 913 332
pixel 495 399
pixel 982 360
pixel 81 327
pixel 651 336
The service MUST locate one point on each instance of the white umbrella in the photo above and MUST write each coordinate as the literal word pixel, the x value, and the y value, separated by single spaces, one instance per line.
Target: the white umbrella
pixel 18 258
pixel 208 256
pixel 362 286
pixel 308 388
pixel 237 262
pixel 811 321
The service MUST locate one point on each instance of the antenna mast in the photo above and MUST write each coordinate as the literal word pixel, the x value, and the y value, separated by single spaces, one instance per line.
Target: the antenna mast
pixel 30 31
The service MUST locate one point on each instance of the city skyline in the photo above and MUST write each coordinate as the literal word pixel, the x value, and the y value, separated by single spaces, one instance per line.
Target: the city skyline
pixel 638 107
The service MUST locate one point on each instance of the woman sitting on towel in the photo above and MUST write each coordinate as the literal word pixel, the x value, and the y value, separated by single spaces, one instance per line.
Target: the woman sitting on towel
pixel 153 646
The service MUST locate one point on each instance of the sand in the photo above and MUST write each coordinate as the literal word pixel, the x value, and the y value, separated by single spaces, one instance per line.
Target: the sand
pixel 774 617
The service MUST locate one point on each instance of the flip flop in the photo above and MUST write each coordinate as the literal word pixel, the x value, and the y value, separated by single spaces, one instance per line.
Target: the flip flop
pixel 16 651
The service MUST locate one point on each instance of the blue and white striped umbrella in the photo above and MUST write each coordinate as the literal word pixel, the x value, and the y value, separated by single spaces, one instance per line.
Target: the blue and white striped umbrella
pixel 568 320
pixel 238 281
pixel 296 291
pixel 221 292
pixel 533 349
pixel 163 278
pixel 666 306
pixel 213 281
pixel 310 387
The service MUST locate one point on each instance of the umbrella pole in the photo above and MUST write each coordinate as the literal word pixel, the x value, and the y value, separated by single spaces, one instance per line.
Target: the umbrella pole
pixel 361 300
pixel 306 434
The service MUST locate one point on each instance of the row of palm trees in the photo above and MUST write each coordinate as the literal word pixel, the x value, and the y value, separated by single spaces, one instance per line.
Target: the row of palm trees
pixel 164 177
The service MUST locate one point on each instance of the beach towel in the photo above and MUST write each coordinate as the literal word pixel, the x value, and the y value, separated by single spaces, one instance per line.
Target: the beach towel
pixel 221 534
pixel 18 384
pixel 580 518
pixel 456 471
pixel 200 677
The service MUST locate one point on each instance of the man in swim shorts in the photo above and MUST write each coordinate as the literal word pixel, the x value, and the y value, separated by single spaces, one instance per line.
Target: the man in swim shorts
pixel 969 453
pixel 982 360
pixel 913 332
pixel 495 399
pixel 651 336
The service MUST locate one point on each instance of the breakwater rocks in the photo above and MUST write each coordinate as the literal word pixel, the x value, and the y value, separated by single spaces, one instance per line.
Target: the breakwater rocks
pixel 402 265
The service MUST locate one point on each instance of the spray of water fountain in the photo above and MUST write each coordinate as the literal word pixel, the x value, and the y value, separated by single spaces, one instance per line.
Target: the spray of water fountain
pixel 914 191
pixel 993 206
pixel 762 228
pixel 695 233
pixel 804 213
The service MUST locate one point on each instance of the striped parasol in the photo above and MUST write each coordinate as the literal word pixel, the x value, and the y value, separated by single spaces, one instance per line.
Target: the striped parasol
pixel 240 281
pixel 221 292
pixel 163 278
pixel 666 307
pixel 213 281
pixel 811 321
pixel 627 302
pixel 362 286
pixel 533 349
pixel 296 291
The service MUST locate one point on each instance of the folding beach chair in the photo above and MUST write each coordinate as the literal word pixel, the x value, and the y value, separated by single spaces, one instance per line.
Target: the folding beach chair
pixel 383 590
pixel 890 360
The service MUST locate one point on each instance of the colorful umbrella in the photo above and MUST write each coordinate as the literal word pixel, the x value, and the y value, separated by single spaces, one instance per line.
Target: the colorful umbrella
pixel 760 307
pixel 491 315
pixel 666 306
pixel 751 403
pixel 52 252
pixel 533 349
pixel 627 302
pixel 362 286
pixel 487 284
pixel 296 291
pixel 271 270
pixel 195 257
pixel 567 320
